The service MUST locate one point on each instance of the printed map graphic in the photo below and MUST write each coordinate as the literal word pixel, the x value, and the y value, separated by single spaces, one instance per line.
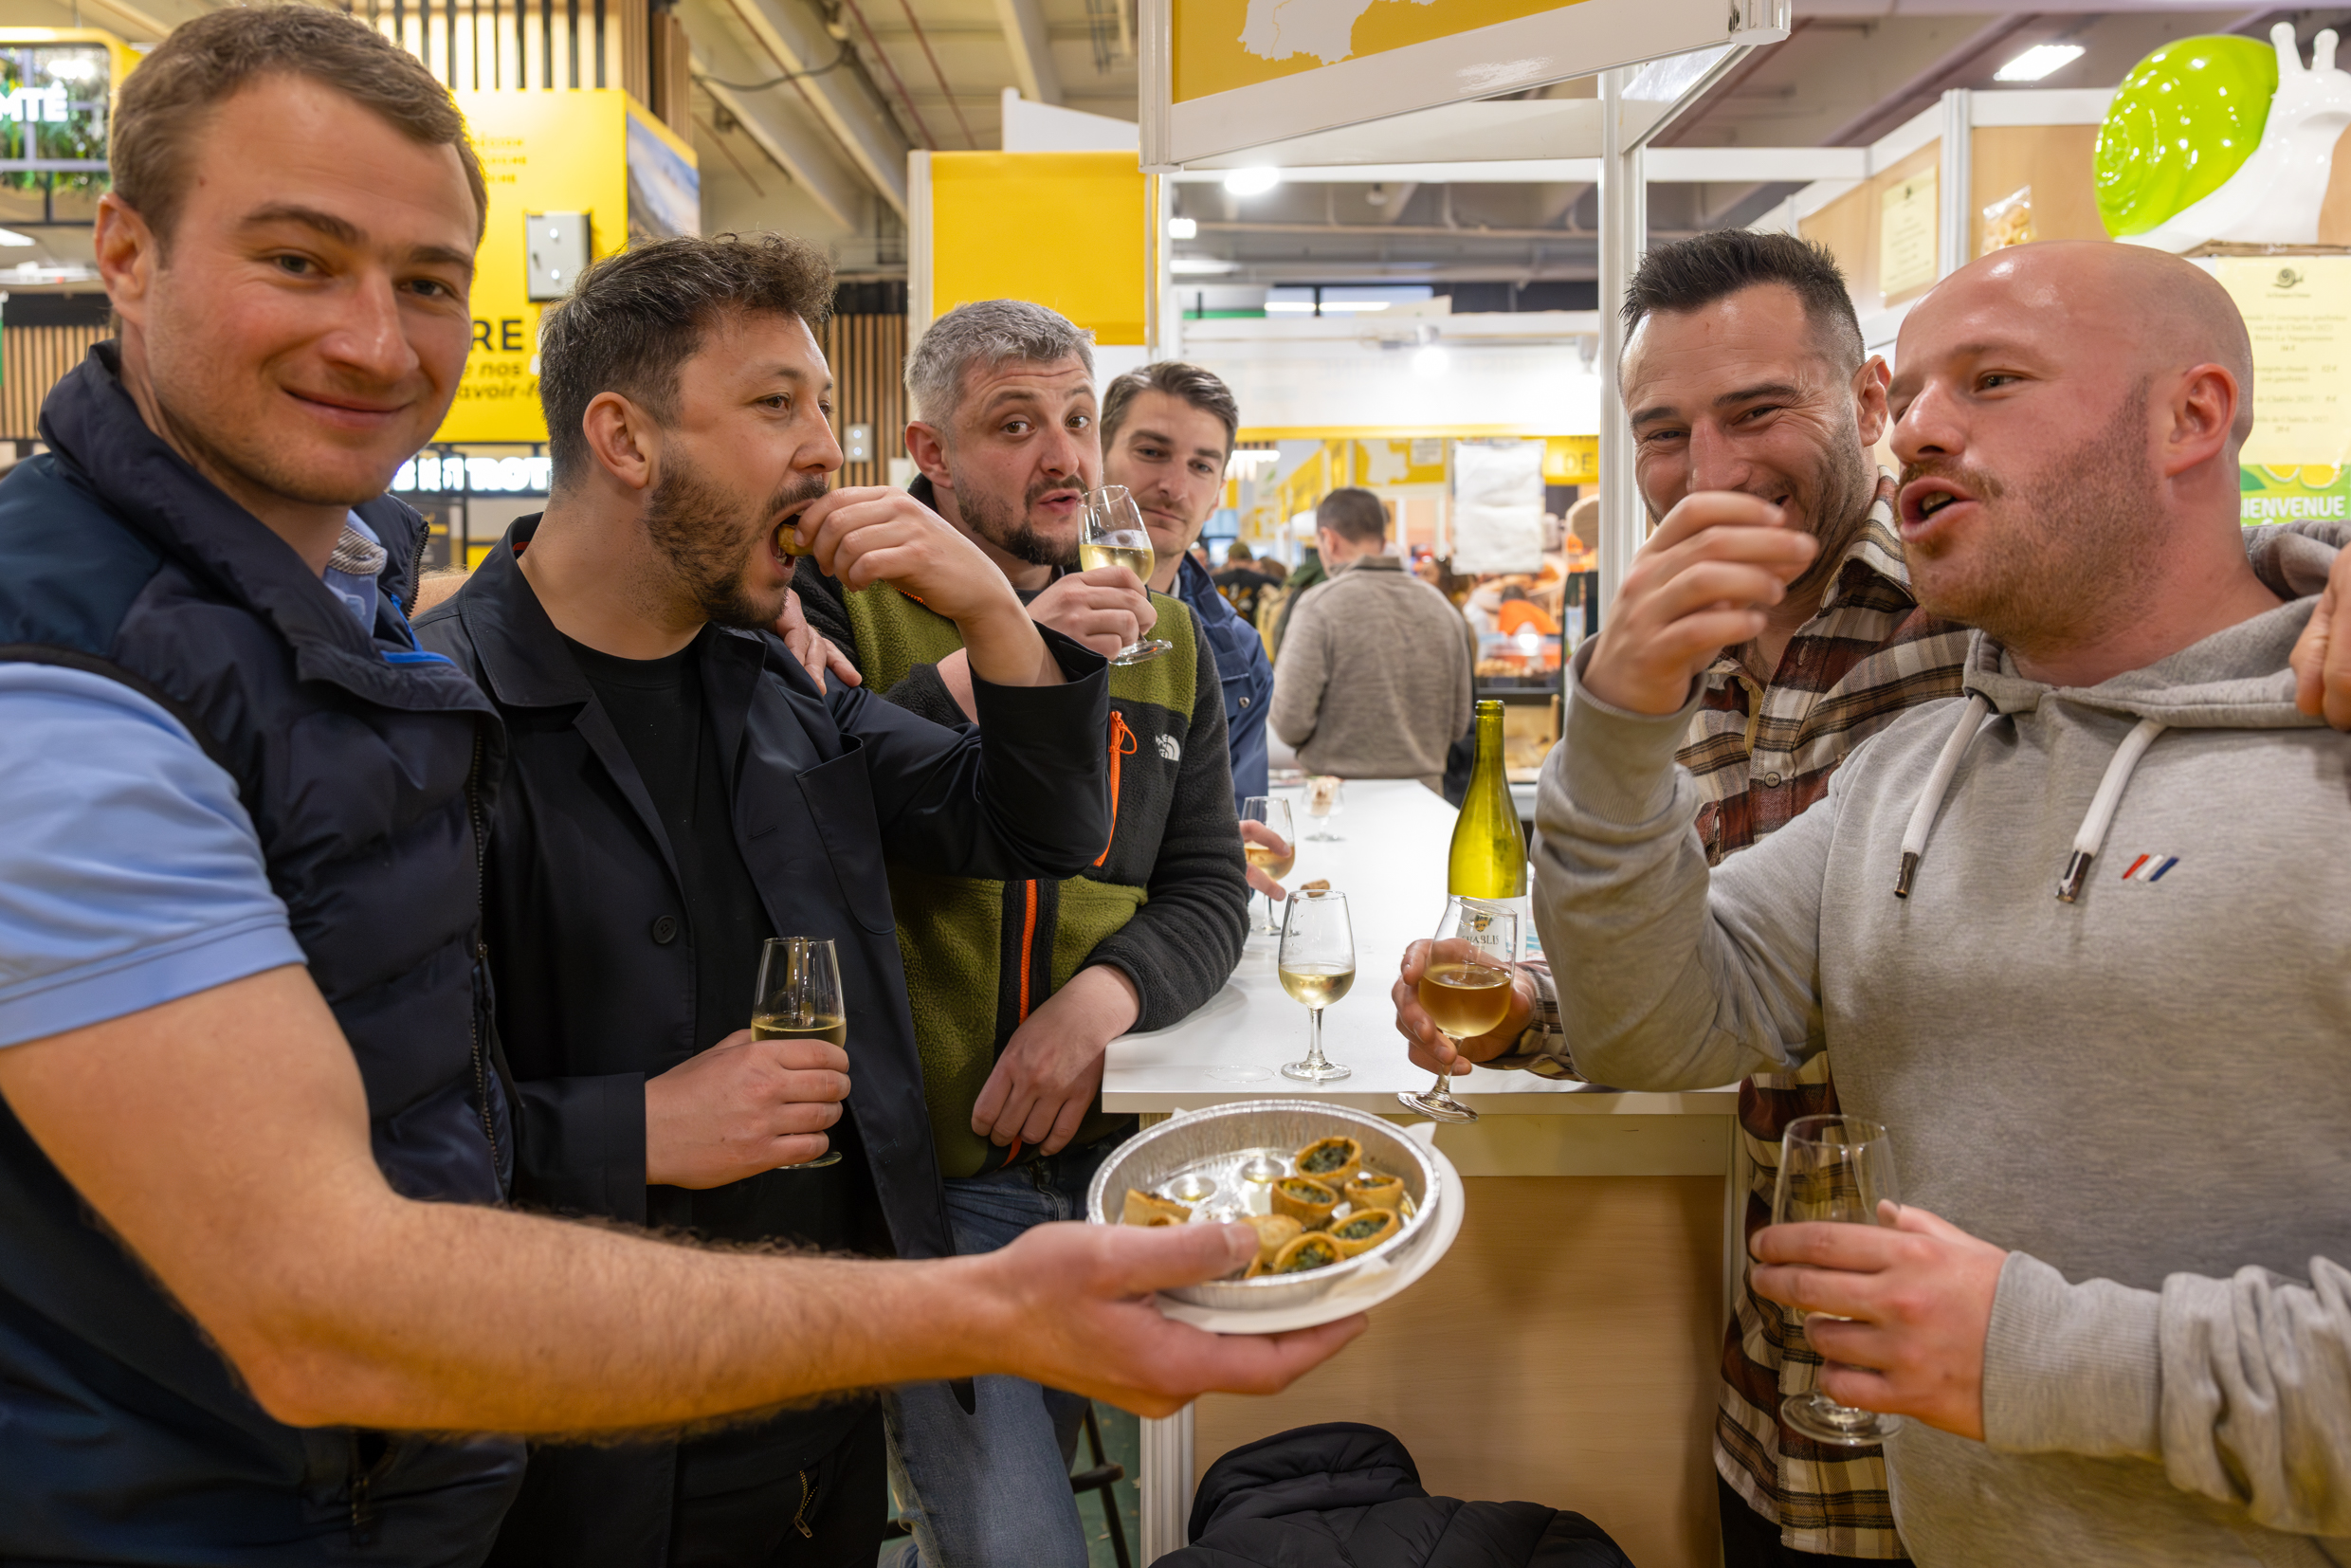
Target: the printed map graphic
pixel 1277 30
pixel 1220 44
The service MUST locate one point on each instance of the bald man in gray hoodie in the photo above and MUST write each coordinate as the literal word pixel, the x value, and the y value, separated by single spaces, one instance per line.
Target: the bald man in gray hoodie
pixel 2078 937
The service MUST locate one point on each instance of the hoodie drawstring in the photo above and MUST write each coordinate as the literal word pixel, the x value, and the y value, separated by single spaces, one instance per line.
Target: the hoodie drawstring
pixel 1937 785
pixel 2086 844
pixel 2093 834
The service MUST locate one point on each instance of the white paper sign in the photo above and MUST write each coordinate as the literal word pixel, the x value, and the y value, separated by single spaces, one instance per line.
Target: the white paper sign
pixel 1498 506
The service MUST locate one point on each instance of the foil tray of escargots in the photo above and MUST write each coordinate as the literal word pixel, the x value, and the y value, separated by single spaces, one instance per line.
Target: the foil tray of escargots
pixel 1339 1199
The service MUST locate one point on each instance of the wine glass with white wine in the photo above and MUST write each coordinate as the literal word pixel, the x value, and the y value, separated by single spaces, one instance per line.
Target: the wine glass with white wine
pixel 800 998
pixel 1464 989
pixel 1112 535
pixel 1838 1169
pixel 1275 813
pixel 1317 965
pixel 1326 796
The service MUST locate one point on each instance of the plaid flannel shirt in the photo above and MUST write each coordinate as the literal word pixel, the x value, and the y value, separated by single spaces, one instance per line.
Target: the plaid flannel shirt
pixel 1761 754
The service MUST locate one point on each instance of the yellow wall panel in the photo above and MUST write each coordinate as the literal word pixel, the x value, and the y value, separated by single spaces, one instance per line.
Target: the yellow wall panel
pixel 542 152
pixel 1071 230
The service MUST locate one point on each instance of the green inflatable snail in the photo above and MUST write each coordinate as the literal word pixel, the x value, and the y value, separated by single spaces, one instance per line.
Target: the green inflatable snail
pixel 2223 138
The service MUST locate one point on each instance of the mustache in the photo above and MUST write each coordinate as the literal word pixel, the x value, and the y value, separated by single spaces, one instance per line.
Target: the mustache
pixel 795 496
pixel 1976 482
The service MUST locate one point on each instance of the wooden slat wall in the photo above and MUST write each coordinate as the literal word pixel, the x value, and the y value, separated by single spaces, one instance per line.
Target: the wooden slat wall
pixel 35 359
pixel 868 359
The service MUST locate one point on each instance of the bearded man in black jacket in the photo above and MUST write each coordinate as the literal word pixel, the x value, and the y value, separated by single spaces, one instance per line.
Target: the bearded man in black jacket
pixel 678 790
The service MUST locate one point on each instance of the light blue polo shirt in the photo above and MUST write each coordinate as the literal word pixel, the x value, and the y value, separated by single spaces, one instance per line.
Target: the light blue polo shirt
pixel 130 874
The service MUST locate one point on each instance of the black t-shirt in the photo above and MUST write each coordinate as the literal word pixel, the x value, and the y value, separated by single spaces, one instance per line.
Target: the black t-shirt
pixel 658 707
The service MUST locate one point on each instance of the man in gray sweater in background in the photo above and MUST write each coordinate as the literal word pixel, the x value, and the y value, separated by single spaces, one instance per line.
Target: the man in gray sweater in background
pixel 2078 939
pixel 1372 677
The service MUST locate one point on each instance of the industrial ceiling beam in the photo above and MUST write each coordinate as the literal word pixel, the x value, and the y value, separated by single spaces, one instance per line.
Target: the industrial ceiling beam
pixel 793 36
pixel 729 73
pixel 1024 34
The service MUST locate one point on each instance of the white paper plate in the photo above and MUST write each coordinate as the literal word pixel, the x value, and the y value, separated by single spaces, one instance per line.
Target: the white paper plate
pixel 1365 1290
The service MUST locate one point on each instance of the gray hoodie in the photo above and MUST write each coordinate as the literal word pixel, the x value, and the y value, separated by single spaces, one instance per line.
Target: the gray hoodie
pixel 2143 1091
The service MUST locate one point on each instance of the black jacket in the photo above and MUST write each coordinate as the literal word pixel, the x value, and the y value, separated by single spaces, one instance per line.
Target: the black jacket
pixel 366 766
pixel 586 927
pixel 1341 1495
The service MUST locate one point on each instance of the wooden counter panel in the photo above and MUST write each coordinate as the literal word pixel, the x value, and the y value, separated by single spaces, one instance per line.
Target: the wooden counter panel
pixel 1564 1353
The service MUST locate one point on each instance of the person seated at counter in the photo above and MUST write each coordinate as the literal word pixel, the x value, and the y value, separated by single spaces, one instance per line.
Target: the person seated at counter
pixel 1744 371
pixel 1374 680
pixel 1020 986
pixel 2020 920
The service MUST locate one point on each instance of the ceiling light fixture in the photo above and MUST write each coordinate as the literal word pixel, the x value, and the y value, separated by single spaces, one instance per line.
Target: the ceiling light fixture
pixel 1193 266
pixel 1252 182
pixel 1183 228
pixel 2037 61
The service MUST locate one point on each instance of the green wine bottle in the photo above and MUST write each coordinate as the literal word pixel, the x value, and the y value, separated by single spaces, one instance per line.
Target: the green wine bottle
pixel 1488 856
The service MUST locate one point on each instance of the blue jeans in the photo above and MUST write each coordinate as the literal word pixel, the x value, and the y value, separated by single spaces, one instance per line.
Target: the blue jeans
pixel 991 1489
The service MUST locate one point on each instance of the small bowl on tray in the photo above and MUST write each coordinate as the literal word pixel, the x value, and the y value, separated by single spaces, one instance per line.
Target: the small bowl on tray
pixel 1221 1164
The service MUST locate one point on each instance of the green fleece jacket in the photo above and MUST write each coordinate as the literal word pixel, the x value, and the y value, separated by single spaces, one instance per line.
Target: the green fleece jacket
pixel 1167 906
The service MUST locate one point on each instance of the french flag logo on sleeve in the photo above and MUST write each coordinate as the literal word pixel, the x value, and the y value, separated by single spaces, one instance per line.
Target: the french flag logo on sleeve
pixel 2149 870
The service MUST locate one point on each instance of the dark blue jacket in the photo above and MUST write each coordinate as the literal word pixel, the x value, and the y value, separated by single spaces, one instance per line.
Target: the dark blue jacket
pixel 368 769
pixel 1247 677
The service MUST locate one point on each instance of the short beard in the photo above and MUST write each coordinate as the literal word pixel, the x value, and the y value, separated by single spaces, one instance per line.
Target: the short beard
pixel 1011 532
pixel 1840 513
pixel 2067 567
pixel 708 542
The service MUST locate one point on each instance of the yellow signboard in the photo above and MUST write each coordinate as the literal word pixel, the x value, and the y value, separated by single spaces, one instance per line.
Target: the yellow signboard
pixel 1906 216
pixel 1071 230
pixel 540 151
pixel 1225 44
pixel 2298 311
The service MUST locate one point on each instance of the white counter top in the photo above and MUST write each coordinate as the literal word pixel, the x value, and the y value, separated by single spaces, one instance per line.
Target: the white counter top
pixel 1390 863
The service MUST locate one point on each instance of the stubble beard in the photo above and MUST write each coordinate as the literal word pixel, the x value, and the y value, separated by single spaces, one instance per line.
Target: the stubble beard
pixel 1010 531
pixel 708 540
pixel 2068 570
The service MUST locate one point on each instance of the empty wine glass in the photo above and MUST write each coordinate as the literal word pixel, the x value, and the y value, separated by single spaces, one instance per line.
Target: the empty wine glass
pixel 1465 990
pixel 1838 1169
pixel 800 998
pixel 1275 813
pixel 1317 964
pixel 1112 535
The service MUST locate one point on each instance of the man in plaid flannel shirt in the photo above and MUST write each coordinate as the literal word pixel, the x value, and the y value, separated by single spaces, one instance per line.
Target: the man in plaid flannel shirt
pixel 1744 369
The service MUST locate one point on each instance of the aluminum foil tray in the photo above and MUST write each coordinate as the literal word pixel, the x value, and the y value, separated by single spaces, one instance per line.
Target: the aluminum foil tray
pixel 1197 1158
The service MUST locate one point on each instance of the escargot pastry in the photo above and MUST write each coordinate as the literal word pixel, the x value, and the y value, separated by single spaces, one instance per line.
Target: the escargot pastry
pixel 1274 1232
pixel 1143 1209
pixel 1330 1159
pixel 1375 1189
pixel 1364 1230
pixel 1311 1250
pixel 1306 1201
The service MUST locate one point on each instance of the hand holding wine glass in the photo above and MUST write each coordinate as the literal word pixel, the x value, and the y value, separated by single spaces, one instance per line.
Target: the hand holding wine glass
pixel 800 998
pixel 1838 1169
pixel 1112 535
pixel 1268 848
pixel 1464 989
pixel 1316 966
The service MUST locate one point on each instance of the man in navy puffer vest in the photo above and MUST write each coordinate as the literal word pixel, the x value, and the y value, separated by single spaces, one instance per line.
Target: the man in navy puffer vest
pixel 253 1134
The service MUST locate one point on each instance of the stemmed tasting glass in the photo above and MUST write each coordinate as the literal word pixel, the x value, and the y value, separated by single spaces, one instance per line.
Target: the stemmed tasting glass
pixel 1112 535
pixel 1275 813
pixel 1325 795
pixel 1466 988
pixel 1837 1168
pixel 1317 964
pixel 800 999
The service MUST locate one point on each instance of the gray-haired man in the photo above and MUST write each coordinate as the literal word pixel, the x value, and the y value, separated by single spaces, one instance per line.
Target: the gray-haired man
pixel 1019 986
